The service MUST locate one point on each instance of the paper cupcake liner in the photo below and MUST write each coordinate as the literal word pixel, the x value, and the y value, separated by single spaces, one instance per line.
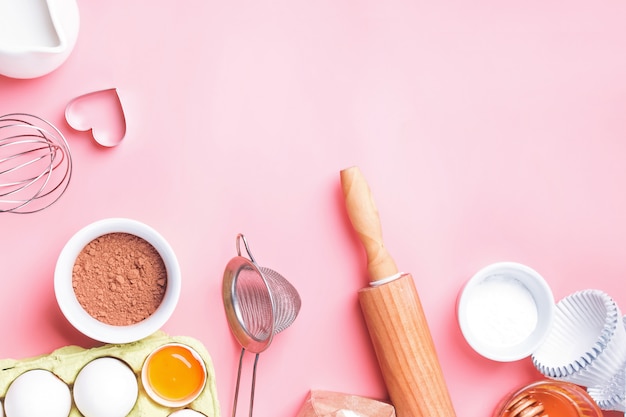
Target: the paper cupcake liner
pixel 610 395
pixel 587 342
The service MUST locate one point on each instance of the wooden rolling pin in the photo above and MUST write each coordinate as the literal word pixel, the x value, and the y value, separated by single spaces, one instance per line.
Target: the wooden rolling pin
pixel 394 316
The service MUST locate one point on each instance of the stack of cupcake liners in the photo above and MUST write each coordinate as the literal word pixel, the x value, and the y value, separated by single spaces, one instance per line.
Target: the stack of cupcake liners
pixel 586 345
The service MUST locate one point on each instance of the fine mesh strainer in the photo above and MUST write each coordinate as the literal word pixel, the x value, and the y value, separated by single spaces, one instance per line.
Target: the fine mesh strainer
pixel 259 303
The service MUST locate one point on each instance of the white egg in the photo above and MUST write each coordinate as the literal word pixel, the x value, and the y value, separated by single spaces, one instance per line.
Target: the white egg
pixel 38 393
pixel 186 413
pixel 105 387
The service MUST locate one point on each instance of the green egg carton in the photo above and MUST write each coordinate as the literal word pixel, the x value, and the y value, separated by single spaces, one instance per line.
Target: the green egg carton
pixel 67 361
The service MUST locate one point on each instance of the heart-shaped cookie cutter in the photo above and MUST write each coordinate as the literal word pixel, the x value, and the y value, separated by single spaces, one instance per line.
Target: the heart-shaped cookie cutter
pixel 100 112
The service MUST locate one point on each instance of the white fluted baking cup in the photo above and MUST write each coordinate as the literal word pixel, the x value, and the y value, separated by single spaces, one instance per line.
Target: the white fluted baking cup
pixel 611 395
pixel 586 344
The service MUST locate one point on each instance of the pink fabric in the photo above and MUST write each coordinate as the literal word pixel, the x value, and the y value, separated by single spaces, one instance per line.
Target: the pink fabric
pixel 489 131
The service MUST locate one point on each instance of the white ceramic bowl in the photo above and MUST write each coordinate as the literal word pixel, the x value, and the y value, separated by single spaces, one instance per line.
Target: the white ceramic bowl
pixel 86 323
pixel 37 37
pixel 505 311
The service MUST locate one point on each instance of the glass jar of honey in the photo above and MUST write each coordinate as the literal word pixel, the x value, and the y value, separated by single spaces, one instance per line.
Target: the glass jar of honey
pixel 548 398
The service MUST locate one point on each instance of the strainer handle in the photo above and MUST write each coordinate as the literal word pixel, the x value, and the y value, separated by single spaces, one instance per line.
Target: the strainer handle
pixel 241 237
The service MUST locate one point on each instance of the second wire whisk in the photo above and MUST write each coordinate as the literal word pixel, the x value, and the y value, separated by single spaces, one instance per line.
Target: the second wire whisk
pixel 259 303
pixel 35 163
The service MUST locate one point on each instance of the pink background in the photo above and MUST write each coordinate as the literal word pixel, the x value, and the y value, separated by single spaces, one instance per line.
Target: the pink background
pixel 488 131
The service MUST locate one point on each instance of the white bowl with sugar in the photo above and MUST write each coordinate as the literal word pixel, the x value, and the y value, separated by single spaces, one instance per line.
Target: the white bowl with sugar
pixel 505 311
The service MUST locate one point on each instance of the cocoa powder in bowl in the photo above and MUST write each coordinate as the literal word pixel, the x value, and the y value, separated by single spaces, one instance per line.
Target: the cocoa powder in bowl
pixel 119 279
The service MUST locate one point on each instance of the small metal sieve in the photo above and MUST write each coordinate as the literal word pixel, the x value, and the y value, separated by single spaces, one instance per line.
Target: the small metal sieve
pixel 259 303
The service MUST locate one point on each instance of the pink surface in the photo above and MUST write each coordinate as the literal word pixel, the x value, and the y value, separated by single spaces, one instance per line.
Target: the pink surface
pixel 488 131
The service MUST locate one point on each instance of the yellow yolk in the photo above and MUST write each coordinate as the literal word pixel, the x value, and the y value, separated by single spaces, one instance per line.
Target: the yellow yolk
pixel 175 373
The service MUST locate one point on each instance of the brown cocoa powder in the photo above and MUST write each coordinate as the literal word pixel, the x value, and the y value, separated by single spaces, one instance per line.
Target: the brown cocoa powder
pixel 119 279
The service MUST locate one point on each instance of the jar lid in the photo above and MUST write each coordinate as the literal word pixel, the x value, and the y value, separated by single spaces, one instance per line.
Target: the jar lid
pixel 505 311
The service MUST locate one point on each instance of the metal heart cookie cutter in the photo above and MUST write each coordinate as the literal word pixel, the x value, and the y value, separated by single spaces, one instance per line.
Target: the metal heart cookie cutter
pixel 101 113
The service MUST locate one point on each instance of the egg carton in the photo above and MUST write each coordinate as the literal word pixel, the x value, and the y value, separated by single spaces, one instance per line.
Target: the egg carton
pixel 67 361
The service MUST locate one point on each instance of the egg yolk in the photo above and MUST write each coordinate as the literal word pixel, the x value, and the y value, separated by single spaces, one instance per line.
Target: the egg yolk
pixel 174 373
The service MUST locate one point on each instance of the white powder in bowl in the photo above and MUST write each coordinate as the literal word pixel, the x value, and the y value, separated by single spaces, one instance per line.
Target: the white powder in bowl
pixel 501 312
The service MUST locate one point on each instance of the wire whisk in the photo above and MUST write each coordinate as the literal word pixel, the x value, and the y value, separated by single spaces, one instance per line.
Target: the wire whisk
pixel 259 304
pixel 35 163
